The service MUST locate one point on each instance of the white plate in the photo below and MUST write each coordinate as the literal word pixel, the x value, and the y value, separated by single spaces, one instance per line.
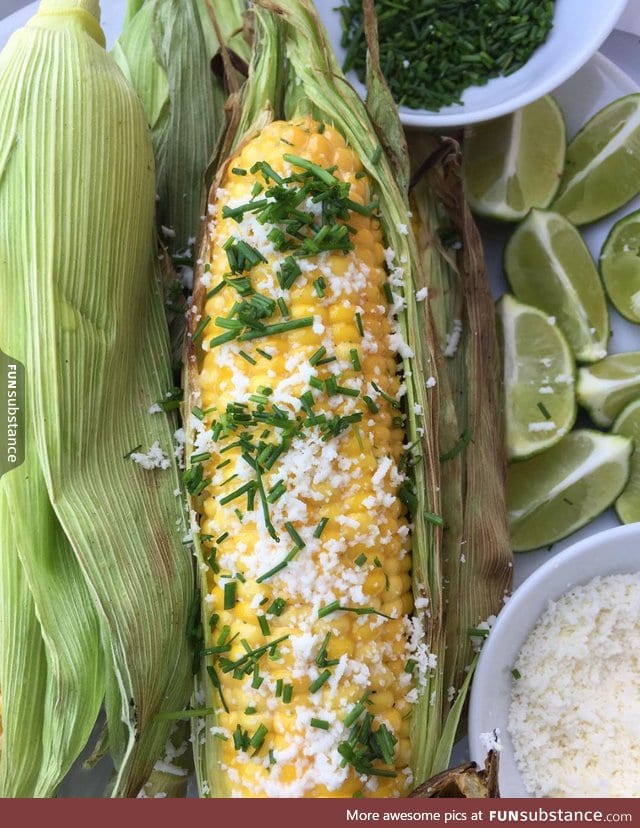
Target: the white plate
pixel 613 552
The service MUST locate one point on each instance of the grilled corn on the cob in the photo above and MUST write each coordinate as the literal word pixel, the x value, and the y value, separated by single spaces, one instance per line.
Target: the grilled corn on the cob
pixel 298 462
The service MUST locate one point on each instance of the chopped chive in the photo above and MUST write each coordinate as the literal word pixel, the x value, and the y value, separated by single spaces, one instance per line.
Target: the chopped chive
pixel 216 289
pixel 287 693
pixel 544 410
pixel 246 487
pixel 250 711
pixel 195 336
pixel 319 285
pixel 230 595
pixel 133 451
pixel 324 175
pixel 373 408
pixel 327 360
pixel 314 359
pixel 385 396
pixel 220 340
pixel 317 683
pixel 277 328
pixel 266 575
pixel 282 305
pixel 463 441
pixel 320 527
pixel 361 559
pixel 278 690
pixel 430 517
pixel 197 412
pixel 277 607
pixel 376 561
pixel 199 458
pixel 238 171
pixel 410 666
pixel 248 358
pixel 516 674
pixel 355 359
pixel 322 724
pixel 328 609
pixel 258 737
pixel 264 353
pixel 257 678
pixel 264 625
pixel 359 324
pixel 215 680
pixel 222 537
pixel 293 534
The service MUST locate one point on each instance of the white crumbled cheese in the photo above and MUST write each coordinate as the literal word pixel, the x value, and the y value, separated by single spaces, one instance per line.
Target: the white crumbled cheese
pixel 453 339
pixel 542 425
pixel 422 294
pixel 545 389
pixel 551 320
pixel 155 458
pixel 491 740
pixel 478 640
pixel 155 409
pixel 168 232
pixel 430 382
pixel 575 707
pixel 406 64
pixel 402 228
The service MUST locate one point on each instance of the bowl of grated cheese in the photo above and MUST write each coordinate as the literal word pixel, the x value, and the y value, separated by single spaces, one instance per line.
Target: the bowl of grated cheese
pixel 557 687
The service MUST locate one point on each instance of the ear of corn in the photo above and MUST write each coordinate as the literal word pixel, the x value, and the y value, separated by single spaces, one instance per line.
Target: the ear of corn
pixel 267 753
pixel 83 311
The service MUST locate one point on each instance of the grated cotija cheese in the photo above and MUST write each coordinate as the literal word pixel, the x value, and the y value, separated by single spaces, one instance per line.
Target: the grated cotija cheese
pixel 574 718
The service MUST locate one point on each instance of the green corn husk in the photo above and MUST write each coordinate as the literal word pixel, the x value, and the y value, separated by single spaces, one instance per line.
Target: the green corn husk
pixel 477 552
pixel 294 72
pixel 97 539
pixel 165 50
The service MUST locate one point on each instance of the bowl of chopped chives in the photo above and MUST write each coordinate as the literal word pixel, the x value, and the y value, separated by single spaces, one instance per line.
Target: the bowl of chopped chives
pixel 557 686
pixel 450 63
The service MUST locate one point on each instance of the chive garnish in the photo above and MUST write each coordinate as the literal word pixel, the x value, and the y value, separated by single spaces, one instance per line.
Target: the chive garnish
pixel 287 693
pixel 355 359
pixel 361 559
pixel 359 324
pixel 133 451
pixel 317 356
pixel 438 520
pixel 264 625
pixel 277 328
pixel 195 336
pixel 277 607
pixel 258 737
pixel 293 534
pixel 317 683
pixel 248 358
pixel 230 595
pixel 373 408
pixel 322 724
pixel 264 353
pixel 214 679
pixel 238 171
pixel 385 396
pixel 544 410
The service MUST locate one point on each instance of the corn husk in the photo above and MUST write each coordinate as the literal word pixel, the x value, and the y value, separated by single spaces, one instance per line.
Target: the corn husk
pixel 477 552
pixel 466 781
pixel 294 72
pixel 97 540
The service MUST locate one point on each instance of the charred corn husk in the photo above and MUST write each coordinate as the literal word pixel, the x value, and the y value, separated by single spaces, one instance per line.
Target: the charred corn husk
pixel 312 461
pixel 94 540
pixel 477 553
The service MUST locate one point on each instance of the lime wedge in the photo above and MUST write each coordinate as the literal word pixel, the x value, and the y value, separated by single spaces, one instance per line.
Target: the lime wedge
pixel 553 494
pixel 548 265
pixel 620 266
pixel 605 388
pixel 539 369
pixel 602 167
pixel 628 425
pixel 515 163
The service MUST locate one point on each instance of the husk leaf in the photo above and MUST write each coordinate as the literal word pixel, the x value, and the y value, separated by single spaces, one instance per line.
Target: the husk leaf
pixel 96 357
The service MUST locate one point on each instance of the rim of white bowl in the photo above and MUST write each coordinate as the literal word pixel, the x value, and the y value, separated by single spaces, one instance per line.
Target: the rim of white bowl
pixel 491 658
pixel 432 120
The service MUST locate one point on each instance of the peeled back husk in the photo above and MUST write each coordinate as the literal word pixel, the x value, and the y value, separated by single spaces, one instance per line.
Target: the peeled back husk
pixel 99 539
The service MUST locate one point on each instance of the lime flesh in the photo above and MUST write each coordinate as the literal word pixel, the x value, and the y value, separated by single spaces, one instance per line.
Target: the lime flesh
pixel 555 493
pixel 539 370
pixel 602 167
pixel 548 265
pixel 514 163
pixel 628 425
pixel 603 389
pixel 620 266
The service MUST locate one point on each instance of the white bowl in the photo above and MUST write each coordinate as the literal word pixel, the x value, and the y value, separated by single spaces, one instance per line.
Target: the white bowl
pixel 578 31
pixel 611 552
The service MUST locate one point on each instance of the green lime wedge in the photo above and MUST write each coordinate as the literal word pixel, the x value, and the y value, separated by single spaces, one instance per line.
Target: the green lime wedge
pixel 549 266
pixel 628 425
pixel 605 388
pixel 620 266
pixel 539 375
pixel 515 163
pixel 553 494
pixel 602 167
